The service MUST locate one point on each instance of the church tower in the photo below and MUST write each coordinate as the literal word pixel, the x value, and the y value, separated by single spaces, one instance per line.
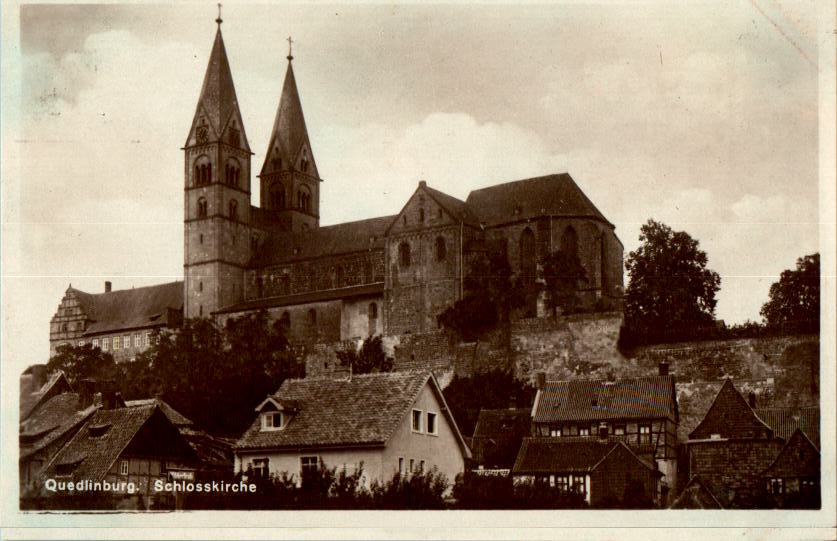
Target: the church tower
pixel 289 182
pixel 217 194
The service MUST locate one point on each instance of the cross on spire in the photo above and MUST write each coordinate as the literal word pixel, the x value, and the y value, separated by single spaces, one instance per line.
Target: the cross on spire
pixel 290 48
pixel 219 20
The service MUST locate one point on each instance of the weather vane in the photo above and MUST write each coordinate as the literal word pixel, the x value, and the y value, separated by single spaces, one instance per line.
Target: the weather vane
pixel 219 20
pixel 290 48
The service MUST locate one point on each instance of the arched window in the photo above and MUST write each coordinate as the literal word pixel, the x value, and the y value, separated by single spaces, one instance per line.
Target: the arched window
pixel 441 249
pixel 202 210
pixel 304 199
pixel 233 209
pixel 527 255
pixel 404 254
pixel 203 171
pixel 312 316
pixel 232 170
pixel 277 196
pixel 569 242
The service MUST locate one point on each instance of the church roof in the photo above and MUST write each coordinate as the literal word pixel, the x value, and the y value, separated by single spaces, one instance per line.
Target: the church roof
pixel 455 207
pixel 130 308
pixel 556 195
pixel 323 241
pixel 289 132
pixel 218 100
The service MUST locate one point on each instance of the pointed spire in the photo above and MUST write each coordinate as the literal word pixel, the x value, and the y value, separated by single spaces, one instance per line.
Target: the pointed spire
pixel 217 106
pixel 289 134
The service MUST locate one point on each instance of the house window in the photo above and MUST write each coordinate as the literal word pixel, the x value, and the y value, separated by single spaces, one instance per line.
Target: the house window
pixel 202 209
pixel 416 421
pixel 147 338
pixel 80 343
pixel 645 434
pixel 401 465
pixel 115 343
pixel 441 249
pixel 431 423
pixel 404 254
pixel 421 466
pixel 562 483
pixel 308 468
pixel 123 467
pixel 137 340
pixel 776 486
pixel 555 432
pixel 95 342
pixel 260 468
pixel 584 431
pixel 412 465
pixel 104 344
pixel 579 484
pixel 272 421
pixel 126 341
pixel 618 430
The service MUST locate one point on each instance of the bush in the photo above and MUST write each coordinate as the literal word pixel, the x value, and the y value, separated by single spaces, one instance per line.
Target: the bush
pixel 421 490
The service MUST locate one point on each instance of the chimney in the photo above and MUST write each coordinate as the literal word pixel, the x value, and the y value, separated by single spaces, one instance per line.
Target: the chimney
pixel 541 380
pixel 111 400
pixel 751 399
pixel 663 368
pixel 86 389
pixel 422 184
pixel 108 286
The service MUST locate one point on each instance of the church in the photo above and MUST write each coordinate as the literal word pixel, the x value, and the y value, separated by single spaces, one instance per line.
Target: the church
pixel 387 275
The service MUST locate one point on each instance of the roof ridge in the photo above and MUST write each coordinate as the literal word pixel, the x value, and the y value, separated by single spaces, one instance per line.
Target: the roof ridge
pixel 509 182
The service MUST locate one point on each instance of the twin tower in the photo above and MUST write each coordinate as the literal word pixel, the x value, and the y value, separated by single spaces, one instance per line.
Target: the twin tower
pixel 221 229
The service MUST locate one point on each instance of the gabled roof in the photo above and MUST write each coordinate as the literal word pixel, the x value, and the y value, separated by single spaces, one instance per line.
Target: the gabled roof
pixel 55 418
pixel 218 100
pixel 129 308
pixel 556 195
pixel 457 208
pixel 362 235
pixel 93 455
pixel 289 132
pixel 566 455
pixel 590 400
pixel 56 384
pixel 175 417
pixel 696 495
pixel 362 411
pixel 730 416
pixel 785 421
pixel 798 458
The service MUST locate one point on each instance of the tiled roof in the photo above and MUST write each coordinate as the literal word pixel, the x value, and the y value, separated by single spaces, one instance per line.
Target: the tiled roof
pixel 212 451
pixel 455 207
pixel 364 410
pixel 174 416
pixel 56 384
pixel 362 235
pixel 304 298
pixel 95 455
pixel 785 421
pixel 289 131
pixel 130 308
pixel 556 195
pixel 798 458
pixel 50 421
pixel 730 416
pixel 589 400
pixel 498 434
pixel 553 455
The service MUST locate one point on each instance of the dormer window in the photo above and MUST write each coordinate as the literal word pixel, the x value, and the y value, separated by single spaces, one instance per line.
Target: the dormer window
pixel 273 420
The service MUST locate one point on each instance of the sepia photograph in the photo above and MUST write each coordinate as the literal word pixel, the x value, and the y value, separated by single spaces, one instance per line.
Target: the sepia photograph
pixel 556 258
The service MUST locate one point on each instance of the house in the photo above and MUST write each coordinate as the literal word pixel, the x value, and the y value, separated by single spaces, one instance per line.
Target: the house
pixel 743 462
pixel 37 386
pixel 785 421
pixel 392 423
pixel 126 447
pixel 604 470
pixel 641 412
pixel 497 439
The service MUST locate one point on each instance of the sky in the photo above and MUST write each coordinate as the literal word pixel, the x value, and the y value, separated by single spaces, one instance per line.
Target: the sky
pixel 700 115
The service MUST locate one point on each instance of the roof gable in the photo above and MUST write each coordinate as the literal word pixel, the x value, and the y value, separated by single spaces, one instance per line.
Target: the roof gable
pixel 590 400
pixel 565 455
pixel 429 201
pixel 730 416
pixel 696 495
pixel 798 458
pixel 785 421
pixel 556 195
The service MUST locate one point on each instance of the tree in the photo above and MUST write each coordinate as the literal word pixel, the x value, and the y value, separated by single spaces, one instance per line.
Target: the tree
pixel 562 272
pixel 370 358
pixel 795 298
pixel 670 288
pixel 496 389
pixel 81 362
